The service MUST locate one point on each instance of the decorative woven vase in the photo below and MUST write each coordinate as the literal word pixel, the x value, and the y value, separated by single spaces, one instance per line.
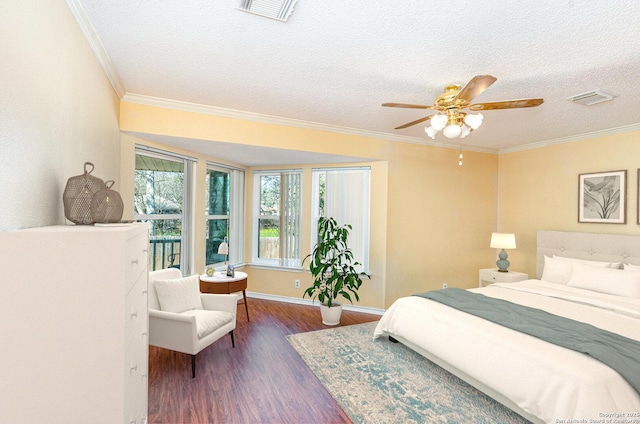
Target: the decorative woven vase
pixel 106 205
pixel 78 194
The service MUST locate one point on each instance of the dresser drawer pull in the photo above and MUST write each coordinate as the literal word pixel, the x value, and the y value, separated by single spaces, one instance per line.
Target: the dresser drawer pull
pixel 135 262
pixel 134 368
pixel 134 315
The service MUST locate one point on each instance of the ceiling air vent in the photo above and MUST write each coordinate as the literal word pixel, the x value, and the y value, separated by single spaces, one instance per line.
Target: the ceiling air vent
pixel 274 9
pixel 591 97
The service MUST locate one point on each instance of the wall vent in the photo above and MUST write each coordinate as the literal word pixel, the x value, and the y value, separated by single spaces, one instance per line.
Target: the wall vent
pixel 591 97
pixel 274 9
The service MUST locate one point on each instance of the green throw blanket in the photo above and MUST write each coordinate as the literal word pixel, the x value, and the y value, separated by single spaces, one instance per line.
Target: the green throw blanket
pixel 618 352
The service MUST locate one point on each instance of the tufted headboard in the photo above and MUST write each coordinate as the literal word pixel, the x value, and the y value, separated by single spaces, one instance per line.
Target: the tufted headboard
pixel 589 246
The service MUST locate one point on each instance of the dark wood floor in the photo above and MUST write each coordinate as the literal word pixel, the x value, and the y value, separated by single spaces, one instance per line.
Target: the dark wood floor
pixel 262 380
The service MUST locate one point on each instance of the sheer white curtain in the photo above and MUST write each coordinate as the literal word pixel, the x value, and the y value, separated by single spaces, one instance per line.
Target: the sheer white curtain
pixel 290 203
pixel 346 198
pixel 236 219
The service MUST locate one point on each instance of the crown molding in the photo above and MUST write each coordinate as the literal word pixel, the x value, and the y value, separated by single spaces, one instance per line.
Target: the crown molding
pixel 276 120
pixel 78 12
pixel 572 138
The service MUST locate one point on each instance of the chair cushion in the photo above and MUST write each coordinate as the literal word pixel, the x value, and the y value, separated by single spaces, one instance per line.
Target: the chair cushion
pixel 209 321
pixel 180 294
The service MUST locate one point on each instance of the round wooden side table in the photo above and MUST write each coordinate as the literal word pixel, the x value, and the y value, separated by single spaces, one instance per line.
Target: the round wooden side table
pixel 219 283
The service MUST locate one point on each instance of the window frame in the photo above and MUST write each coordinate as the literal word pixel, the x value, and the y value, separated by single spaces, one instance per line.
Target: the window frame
pixel 235 214
pixel 186 246
pixel 292 263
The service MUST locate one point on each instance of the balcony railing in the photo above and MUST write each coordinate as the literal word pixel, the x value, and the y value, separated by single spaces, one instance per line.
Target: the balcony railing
pixel 164 252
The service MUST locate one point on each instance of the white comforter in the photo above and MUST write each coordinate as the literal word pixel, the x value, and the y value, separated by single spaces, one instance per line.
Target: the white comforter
pixel 550 382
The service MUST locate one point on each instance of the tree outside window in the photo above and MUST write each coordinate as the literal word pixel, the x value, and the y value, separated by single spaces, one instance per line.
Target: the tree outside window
pixel 278 218
pixel 158 200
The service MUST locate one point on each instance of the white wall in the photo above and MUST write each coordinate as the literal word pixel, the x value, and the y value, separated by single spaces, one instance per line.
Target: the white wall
pixel 57 111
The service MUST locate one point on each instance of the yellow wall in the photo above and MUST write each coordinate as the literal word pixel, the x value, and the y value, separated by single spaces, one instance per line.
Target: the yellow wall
pixel 539 190
pixel 431 220
pixel 440 218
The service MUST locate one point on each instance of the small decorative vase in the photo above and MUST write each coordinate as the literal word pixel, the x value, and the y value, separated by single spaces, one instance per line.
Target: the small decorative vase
pixel 78 194
pixel 331 316
pixel 106 205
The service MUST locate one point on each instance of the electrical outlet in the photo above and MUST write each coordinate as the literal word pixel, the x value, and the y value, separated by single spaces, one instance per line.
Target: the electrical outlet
pixel 297 284
pixel 444 285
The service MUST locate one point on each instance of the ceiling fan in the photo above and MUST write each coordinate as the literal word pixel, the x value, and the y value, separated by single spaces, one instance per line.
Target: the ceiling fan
pixel 450 118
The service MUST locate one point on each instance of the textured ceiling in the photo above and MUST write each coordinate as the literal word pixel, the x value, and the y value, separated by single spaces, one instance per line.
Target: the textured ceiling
pixel 335 62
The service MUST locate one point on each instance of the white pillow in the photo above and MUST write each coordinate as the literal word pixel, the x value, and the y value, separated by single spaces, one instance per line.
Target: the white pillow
pixel 616 265
pixel 180 294
pixel 631 267
pixel 605 280
pixel 556 271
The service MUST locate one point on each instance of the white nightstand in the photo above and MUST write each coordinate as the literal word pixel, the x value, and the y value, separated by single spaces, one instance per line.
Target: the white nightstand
pixel 492 275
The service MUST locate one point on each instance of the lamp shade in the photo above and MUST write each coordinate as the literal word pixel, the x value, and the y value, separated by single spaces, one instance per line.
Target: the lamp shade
pixel 473 121
pixel 431 132
pixel 223 249
pixel 503 241
pixel 452 131
pixel 438 122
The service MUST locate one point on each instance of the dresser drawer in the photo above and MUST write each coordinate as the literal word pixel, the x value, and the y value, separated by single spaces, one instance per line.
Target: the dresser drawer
pixel 136 310
pixel 137 257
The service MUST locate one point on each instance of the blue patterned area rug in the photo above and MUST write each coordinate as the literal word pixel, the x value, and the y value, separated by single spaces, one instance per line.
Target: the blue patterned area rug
pixel 376 381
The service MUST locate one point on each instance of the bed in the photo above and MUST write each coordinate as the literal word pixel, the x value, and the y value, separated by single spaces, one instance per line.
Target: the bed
pixel 539 380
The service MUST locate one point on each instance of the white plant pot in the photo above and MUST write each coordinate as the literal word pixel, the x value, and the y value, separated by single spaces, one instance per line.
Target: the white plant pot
pixel 331 316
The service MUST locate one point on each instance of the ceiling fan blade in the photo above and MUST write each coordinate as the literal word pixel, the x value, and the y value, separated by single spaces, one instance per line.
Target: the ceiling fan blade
pixel 507 104
pixel 412 123
pixel 475 87
pixel 407 106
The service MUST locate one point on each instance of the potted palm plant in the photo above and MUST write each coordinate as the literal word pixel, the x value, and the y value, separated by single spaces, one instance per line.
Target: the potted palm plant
pixel 333 268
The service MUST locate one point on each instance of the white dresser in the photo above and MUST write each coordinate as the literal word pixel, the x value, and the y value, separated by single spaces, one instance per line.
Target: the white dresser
pixel 74 324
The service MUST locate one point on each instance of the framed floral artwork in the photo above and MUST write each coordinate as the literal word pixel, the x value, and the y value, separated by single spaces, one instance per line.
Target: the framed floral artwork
pixel 603 197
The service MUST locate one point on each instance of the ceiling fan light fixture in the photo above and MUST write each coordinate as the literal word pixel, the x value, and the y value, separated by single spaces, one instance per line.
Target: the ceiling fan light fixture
pixel 438 122
pixel 473 121
pixel 451 118
pixel 452 131
pixel 431 132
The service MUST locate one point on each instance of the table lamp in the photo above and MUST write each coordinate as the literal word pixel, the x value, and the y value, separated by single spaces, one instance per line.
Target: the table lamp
pixel 503 241
pixel 223 249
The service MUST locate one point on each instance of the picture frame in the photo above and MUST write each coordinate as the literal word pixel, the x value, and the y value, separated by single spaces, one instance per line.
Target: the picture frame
pixel 603 197
pixel 231 271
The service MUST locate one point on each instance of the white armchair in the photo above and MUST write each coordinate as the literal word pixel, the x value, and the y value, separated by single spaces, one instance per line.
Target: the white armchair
pixel 183 319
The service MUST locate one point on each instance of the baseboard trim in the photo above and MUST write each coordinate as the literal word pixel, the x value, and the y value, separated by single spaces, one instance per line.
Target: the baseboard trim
pixel 286 299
